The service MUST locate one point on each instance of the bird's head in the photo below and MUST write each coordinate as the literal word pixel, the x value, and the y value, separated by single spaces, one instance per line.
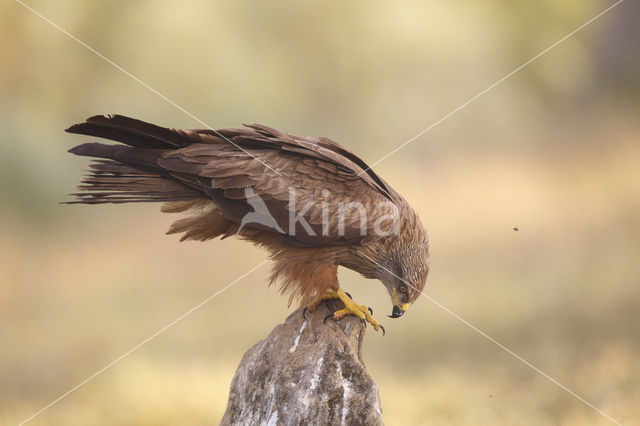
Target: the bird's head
pixel 404 275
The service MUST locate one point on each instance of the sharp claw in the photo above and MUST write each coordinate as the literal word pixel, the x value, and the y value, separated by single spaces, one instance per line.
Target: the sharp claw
pixel 350 308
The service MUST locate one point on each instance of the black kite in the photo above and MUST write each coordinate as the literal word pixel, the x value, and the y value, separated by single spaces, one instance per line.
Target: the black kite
pixel 310 200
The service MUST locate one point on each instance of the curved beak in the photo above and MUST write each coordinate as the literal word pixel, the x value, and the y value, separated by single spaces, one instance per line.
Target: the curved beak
pixel 398 310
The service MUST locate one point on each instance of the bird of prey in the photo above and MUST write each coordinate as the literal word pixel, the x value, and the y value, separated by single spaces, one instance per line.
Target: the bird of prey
pixel 310 200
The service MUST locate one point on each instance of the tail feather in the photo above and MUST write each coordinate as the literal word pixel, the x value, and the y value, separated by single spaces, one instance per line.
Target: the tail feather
pixel 131 132
pixel 126 155
pixel 114 182
pixel 129 174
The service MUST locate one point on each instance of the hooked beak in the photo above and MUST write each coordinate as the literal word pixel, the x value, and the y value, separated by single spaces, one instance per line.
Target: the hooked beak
pixel 398 310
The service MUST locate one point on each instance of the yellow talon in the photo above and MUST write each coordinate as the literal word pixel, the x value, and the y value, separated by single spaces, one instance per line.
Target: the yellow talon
pixel 350 308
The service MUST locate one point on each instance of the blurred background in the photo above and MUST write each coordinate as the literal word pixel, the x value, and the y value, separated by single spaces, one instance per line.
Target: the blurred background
pixel 553 151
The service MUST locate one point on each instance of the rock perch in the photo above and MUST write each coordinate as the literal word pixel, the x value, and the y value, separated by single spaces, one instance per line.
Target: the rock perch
pixel 305 372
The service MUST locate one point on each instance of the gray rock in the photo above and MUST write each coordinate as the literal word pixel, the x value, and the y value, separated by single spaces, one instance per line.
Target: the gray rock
pixel 305 372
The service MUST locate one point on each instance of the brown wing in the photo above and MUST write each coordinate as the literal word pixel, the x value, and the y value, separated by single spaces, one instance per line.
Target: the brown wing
pixel 317 180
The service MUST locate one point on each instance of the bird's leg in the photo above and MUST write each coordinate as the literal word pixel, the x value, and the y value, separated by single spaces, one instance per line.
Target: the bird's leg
pixel 350 308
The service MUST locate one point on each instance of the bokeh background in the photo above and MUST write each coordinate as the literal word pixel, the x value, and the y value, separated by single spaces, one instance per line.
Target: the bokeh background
pixel 553 151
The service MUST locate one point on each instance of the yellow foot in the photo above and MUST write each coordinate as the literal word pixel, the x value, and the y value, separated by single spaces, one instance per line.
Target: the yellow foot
pixel 350 308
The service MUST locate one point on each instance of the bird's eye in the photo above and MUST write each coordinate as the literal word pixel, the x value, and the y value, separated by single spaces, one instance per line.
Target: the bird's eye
pixel 402 288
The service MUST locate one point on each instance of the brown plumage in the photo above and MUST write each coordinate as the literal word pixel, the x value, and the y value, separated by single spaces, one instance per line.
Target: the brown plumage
pixel 216 178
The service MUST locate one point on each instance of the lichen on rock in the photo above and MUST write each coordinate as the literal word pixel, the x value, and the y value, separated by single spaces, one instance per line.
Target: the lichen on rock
pixel 305 372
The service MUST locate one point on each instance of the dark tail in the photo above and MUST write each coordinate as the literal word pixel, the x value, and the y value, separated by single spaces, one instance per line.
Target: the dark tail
pixel 128 174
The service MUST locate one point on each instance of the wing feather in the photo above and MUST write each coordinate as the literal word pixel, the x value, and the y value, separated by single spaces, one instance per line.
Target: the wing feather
pixel 313 178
